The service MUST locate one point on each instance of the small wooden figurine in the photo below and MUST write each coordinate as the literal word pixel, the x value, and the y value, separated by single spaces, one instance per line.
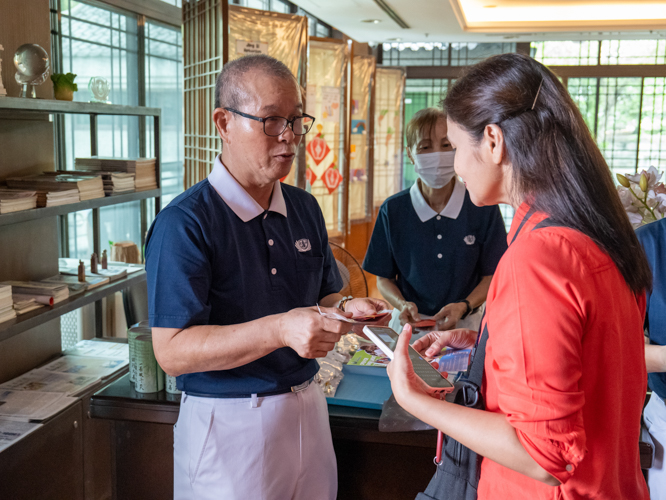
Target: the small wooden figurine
pixel 82 272
pixel 93 263
pixel 105 262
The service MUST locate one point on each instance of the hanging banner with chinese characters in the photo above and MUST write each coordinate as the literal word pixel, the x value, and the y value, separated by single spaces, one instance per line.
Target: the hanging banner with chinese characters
pixel 363 69
pixel 327 63
pixel 245 48
pixel 389 98
pixel 282 36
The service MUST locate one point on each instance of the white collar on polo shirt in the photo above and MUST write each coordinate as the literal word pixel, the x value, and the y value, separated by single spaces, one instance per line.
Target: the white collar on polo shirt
pixel 452 208
pixel 234 195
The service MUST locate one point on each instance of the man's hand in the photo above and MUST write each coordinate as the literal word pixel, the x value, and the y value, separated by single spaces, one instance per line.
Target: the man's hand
pixel 432 343
pixel 409 313
pixel 449 315
pixel 367 306
pixel 309 333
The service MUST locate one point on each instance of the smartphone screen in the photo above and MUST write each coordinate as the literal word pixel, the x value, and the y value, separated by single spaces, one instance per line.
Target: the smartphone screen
pixel 385 338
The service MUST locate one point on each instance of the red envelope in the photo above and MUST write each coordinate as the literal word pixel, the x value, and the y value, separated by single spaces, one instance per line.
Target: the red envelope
pixel 371 317
pixel 424 323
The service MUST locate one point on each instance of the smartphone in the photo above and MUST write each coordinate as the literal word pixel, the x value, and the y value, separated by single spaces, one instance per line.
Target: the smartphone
pixel 386 339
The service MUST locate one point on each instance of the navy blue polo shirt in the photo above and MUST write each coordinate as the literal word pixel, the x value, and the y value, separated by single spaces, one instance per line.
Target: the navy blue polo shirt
pixel 653 238
pixel 207 266
pixel 435 258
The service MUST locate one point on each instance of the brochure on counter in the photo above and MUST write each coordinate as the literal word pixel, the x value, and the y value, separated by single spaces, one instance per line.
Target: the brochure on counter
pixel 369 355
pixel 99 349
pixel 12 431
pixel 32 405
pixel 43 392
pixel 42 380
pixel 86 365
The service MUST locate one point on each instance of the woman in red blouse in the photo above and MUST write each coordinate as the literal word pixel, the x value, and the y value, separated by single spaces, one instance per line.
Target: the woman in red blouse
pixel 564 372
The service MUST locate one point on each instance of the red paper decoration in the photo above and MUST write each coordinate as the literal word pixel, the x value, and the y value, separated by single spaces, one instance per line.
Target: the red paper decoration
pixel 310 176
pixel 318 149
pixel 332 178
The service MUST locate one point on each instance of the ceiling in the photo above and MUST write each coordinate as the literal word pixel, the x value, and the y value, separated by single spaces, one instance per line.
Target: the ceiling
pixel 492 20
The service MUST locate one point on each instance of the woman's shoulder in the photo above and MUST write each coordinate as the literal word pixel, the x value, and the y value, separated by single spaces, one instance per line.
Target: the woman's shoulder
pixel 564 249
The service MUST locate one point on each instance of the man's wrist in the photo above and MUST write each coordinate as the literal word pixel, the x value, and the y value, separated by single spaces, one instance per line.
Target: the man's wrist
pixel 468 308
pixel 343 302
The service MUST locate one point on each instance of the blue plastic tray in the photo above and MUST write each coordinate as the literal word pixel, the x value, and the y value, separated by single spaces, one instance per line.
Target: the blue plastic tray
pixel 362 387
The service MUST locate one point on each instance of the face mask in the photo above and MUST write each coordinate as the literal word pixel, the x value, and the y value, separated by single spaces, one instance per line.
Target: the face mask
pixel 435 169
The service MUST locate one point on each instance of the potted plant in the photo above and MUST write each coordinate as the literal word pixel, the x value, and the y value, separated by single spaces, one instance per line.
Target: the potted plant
pixel 643 196
pixel 64 86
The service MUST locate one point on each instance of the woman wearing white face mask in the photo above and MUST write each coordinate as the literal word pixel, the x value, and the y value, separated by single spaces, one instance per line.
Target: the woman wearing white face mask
pixel 432 250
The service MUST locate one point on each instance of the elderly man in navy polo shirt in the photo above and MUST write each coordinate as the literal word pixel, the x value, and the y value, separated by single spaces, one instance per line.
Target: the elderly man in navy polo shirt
pixel 236 265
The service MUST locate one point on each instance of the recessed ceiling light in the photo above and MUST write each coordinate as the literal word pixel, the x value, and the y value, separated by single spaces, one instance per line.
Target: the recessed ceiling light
pixel 371 21
pixel 394 39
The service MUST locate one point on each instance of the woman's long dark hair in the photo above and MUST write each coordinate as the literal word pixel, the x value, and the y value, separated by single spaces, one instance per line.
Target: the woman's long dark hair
pixel 556 165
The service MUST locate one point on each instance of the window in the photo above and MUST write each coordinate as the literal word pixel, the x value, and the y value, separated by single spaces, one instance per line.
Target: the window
pixel 625 113
pixel 97 41
pixel 441 54
pixel 577 53
pixel 101 42
pixel 280 6
pixel 323 30
pixel 164 89
pixel 142 60
pixel 604 52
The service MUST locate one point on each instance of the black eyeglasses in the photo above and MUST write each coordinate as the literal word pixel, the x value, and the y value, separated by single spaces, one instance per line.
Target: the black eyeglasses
pixel 275 125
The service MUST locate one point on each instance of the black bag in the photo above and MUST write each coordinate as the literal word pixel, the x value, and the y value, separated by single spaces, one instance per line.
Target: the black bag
pixel 457 477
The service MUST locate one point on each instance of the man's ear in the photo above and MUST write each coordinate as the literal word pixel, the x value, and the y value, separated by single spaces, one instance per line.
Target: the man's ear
pixel 494 143
pixel 222 120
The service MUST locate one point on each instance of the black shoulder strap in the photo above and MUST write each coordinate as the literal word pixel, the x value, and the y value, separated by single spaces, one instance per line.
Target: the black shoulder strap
pixel 529 214
pixel 475 371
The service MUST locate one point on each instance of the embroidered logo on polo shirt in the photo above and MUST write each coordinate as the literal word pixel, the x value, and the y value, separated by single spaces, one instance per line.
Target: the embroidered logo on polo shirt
pixel 303 245
pixel 469 239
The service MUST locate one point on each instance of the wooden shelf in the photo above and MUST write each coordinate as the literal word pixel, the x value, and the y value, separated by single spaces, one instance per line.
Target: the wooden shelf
pixel 39 213
pixel 44 314
pixel 73 107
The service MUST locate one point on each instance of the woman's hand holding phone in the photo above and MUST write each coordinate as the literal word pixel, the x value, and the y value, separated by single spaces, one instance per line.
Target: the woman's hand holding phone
pixel 406 384
pixel 432 343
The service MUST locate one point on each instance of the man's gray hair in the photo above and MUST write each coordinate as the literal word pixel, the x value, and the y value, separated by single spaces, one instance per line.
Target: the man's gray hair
pixel 229 90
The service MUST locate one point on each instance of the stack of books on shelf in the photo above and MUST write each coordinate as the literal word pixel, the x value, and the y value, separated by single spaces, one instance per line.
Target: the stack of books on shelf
pixel 90 186
pixel 72 281
pixel 26 305
pixel 143 168
pixel 43 293
pixel 117 182
pixel 114 182
pixel 55 189
pixel 15 200
pixel 6 304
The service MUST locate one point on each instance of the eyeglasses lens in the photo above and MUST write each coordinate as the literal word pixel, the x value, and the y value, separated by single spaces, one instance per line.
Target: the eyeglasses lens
pixel 274 126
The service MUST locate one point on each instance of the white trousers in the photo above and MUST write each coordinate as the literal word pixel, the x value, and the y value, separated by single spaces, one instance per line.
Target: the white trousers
pixel 272 448
pixel 655 421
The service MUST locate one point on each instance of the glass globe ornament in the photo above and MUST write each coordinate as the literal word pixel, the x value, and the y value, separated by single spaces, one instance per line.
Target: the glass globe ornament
pixel 99 88
pixel 32 68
